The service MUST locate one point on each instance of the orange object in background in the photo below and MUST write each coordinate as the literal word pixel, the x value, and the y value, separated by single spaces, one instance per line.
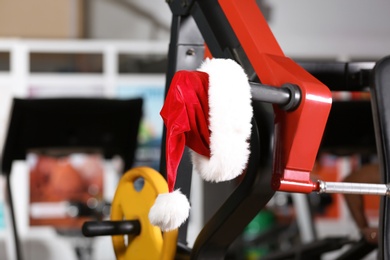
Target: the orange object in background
pixel 372 206
pixel 330 168
pixel 59 186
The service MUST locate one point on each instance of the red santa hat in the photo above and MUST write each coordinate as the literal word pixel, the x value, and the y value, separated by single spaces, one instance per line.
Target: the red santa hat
pixel 209 111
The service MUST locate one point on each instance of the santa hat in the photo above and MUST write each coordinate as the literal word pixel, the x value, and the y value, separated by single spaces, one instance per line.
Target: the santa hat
pixel 209 111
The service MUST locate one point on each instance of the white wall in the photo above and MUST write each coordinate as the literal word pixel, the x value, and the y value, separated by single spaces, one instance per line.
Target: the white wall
pixel 331 29
pixel 348 29
pixel 128 19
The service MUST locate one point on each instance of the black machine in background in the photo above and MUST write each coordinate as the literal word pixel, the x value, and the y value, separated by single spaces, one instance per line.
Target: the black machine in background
pixel 77 124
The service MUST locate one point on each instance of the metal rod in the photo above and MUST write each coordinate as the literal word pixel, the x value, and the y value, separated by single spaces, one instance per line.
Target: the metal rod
pixel 111 228
pixel 274 95
pixel 353 188
pixel 287 96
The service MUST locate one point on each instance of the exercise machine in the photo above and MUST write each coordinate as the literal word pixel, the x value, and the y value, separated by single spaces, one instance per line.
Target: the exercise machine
pixel 299 102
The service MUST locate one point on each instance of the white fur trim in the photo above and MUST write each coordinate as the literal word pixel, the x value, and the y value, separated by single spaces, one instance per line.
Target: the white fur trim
pixel 230 121
pixel 170 210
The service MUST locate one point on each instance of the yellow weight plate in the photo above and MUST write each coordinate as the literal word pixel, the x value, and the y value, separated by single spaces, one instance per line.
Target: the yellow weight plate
pixel 132 201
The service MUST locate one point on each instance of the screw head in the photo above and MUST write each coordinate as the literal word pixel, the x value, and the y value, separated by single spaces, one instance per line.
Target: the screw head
pixel 190 52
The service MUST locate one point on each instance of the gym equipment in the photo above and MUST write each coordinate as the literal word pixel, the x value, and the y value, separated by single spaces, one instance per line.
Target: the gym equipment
pixel 135 194
pixel 75 124
pixel 223 42
pixel 353 188
pixel 381 109
pixel 237 30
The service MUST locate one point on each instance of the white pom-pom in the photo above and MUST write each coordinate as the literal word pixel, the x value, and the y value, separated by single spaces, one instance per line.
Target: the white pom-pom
pixel 170 210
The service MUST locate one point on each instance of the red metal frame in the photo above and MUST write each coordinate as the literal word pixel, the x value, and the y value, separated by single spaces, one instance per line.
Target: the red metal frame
pixel 298 133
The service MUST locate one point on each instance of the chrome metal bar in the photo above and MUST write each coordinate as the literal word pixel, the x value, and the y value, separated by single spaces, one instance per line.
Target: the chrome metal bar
pixel 354 188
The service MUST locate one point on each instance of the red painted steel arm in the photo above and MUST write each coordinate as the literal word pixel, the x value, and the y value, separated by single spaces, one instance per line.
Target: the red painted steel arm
pixel 298 133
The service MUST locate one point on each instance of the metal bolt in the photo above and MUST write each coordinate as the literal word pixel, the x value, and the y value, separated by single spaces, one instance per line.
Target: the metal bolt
pixel 190 52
